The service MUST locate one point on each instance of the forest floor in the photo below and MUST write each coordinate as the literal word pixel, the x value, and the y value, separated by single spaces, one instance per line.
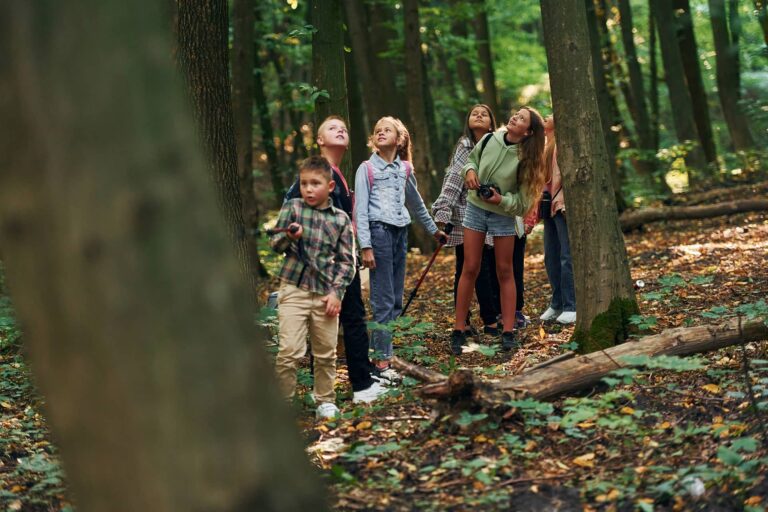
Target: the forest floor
pixel 681 436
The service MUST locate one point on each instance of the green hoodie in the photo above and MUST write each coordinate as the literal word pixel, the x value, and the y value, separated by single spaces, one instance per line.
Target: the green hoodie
pixel 499 167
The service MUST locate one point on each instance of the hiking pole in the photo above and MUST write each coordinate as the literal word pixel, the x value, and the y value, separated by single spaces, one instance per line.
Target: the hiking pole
pixel 447 231
pixel 289 229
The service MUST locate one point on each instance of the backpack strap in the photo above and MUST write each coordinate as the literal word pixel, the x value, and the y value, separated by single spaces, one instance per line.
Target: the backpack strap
pixel 369 167
pixel 408 170
pixel 483 143
pixel 558 191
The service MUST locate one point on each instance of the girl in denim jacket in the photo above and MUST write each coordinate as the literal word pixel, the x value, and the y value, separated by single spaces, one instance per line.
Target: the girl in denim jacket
pixel 385 191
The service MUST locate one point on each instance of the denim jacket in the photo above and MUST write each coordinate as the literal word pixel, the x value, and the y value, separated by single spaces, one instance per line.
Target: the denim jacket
pixel 386 201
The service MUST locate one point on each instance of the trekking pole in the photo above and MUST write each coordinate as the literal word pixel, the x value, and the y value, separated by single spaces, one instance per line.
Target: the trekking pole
pixel 289 229
pixel 447 230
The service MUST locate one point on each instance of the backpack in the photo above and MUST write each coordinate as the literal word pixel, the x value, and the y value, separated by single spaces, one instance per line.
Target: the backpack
pixel 483 143
pixel 369 166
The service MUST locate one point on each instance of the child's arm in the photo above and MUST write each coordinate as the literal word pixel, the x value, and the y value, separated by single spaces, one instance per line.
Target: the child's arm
pixel 473 164
pixel 453 185
pixel 282 241
pixel 343 269
pixel 416 205
pixel 362 194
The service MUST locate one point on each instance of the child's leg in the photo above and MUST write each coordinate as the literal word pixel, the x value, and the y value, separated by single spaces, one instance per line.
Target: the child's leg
pixel 552 261
pixel 323 332
pixel 473 254
pixel 567 289
pixel 293 316
pixel 518 267
pixel 356 342
pixel 487 288
pixel 382 289
pixel 505 248
pixel 400 251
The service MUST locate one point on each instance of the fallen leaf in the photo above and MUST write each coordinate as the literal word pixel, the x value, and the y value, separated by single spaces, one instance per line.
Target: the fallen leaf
pixel 753 501
pixel 5 405
pixel 627 410
pixel 542 333
pixel 711 388
pixel 586 461
pixel 363 425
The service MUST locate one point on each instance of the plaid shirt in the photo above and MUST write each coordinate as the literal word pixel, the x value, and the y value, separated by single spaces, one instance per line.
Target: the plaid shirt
pixel 451 205
pixel 322 260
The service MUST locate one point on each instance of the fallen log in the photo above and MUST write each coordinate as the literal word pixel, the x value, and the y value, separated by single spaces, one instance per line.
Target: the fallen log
pixel 693 198
pixel 552 380
pixel 632 219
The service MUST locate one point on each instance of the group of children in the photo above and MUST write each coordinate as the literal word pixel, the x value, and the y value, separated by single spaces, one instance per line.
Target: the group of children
pixel 490 195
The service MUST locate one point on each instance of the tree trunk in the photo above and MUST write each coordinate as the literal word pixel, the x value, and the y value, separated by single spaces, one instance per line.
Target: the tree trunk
pixel 485 59
pixel 262 110
pixel 390 97
pixel 201 28
pixel 608 110
pixel 556 378
pixel 463 65
pixel 638 108
pixel 137 320
pixel 679 97
pixel 415 79
pixel 357 126
pixel 761 9
pixel 243 20
pixel 359 37
pixel 689 52
pixel 328 73
pixel 728 78
pixel 653 95
pixel 633 219
pixel 605 298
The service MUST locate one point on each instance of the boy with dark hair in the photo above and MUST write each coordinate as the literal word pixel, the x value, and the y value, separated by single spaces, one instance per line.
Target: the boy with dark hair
pixel 319 265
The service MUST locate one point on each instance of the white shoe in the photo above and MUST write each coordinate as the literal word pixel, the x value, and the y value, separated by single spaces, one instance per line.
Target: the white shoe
pixel 327 410
pixel 390 374
pixel 550 314
pixel 567 317
pixel 369 395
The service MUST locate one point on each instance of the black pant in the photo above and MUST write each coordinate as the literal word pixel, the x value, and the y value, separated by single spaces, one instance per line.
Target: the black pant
pixel 518 266
pixel 353 322
pixel 486 286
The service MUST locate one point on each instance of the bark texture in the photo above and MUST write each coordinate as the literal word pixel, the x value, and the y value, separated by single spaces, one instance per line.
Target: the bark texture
pixel 728 77
pixel 243 20
pixel 601 270
pixel 137 321
pixel 485 59
pixel 201 29
pixel 674 76
pixel 555 378
pixel 633 219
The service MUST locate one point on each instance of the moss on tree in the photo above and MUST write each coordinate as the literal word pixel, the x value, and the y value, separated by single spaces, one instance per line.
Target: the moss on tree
pixel 608 328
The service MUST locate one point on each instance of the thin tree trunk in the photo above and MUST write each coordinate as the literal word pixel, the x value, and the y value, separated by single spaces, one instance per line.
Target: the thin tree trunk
pixel 728 77
pixel 463 65
pixel 654 70
pixel 137 320
pixel 415 79
pixel 484 57
pixel 357 124
pixel 243 20
pixel 608 110
pixel 679 96
pixel 604 295
pixel 689 52
pixel 359 37
pixel 390 102
pixel 761 9
pixel 201 29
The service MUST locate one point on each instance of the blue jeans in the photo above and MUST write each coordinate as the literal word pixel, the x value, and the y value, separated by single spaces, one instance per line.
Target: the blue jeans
pixel 390 245
pixel 557 260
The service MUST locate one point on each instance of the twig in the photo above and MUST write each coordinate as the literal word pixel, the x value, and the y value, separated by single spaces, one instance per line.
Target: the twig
pixel 403 418
pixel 687 395
pixel 513 481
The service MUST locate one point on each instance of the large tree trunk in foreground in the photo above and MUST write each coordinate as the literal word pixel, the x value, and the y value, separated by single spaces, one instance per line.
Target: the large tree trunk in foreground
pixel 550 381
pixel 201 29
pixel 415 78
pixel 243 20
pixel 136 317
pixel 634 219
pixel 605 298
pixel 728 77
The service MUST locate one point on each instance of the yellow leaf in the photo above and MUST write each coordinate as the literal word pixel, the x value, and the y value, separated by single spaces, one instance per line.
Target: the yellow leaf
pixel 712 388
pixel 5 405
pixel 586 461
pixel 363 425
pixel 640 470
pixel 481 439
pixel 542 333
pixel 627 410
pixel 530 446
pixel 612 495
pixel 664 426
pixel 585 424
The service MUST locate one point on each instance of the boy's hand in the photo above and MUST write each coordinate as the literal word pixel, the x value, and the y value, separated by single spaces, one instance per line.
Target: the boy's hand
pixel 332 304
pixel 368 260
pixel 471 180
pixel 294 235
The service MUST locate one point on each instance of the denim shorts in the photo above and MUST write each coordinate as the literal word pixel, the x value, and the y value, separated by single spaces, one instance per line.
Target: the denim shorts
pixel 477 219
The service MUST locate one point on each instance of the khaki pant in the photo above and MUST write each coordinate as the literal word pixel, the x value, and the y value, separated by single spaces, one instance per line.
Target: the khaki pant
pixel 301 312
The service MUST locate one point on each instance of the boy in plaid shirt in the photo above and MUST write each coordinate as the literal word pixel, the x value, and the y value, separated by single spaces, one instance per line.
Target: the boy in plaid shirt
pixel 319 265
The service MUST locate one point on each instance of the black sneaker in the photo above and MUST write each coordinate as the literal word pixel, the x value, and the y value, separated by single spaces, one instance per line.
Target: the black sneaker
pixel 458 338
pixel 509 341
pixel 493 331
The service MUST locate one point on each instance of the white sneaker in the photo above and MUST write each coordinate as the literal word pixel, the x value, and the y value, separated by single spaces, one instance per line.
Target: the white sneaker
pixel 390 374
pixel 367 396
pixel 567 317
pixel 550 314
pixel 327 410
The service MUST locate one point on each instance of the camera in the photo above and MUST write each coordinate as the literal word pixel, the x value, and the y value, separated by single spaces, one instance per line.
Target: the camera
pixel 486 190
